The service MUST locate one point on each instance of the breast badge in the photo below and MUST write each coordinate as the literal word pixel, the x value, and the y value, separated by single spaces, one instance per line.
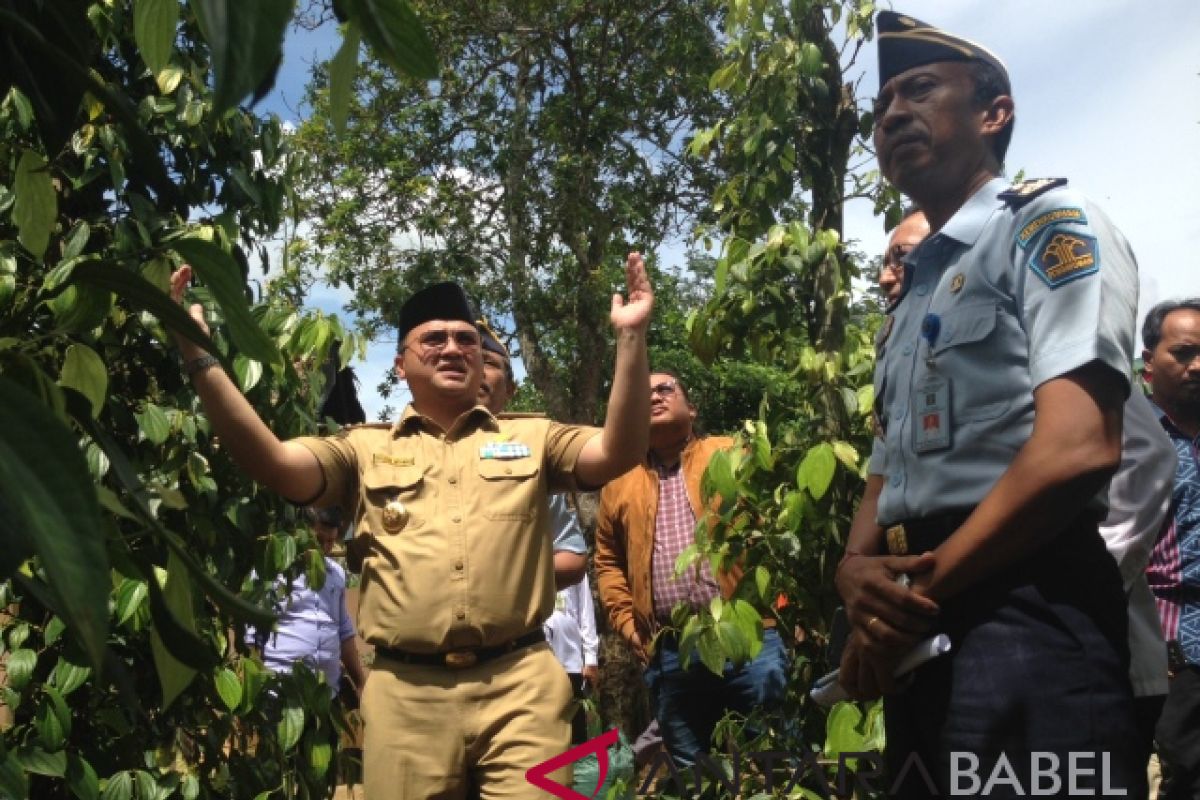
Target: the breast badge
pixel 395 516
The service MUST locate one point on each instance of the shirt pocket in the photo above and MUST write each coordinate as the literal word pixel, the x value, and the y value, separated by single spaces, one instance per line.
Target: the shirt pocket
pixel 969 352
pixel 382 484
pixel 510 488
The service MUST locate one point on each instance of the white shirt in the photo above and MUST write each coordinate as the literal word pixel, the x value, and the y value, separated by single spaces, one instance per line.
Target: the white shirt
pixel 1138 499
pixel 571 629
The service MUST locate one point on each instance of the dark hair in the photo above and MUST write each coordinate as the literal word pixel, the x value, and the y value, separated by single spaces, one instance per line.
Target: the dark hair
pixel 331 516
pixel 990 83
pixel 1153 324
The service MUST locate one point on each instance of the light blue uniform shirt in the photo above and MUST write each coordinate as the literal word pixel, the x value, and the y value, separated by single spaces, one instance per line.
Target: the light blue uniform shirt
pixel 1013 298
pixel 564 525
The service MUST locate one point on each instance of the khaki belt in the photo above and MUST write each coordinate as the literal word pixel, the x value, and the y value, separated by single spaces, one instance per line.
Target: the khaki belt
pixel 462 658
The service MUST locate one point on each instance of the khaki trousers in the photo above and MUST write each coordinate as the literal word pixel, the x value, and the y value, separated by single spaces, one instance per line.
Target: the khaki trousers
pixel 428 727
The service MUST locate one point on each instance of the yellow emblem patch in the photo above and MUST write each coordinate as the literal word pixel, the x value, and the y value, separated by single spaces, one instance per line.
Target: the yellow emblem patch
pixel 1065 257
pixel 1030 231
pixel 392 461
pixel 956 283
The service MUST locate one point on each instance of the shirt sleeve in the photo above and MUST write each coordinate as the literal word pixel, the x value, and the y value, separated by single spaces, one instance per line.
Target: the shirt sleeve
pixel 1080 288
pixel 345 623
pixel 1140 493
pixel 568 536
pixel 587 624
pixel 339 465
pixel 878 462
pixel 563 443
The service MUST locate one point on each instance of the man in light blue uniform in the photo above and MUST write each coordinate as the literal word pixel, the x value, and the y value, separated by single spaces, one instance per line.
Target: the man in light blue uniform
pixel 999 398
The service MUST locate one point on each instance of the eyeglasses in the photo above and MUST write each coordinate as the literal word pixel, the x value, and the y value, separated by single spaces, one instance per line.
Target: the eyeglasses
pixel 432 342
pixel 893 257
pixel 666 388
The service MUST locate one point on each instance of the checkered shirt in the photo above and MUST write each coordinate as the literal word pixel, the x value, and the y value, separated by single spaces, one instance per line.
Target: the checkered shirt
pixel 674 528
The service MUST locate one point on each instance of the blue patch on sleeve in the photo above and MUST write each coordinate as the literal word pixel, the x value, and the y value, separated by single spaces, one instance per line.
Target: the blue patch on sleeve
pixel 1064 255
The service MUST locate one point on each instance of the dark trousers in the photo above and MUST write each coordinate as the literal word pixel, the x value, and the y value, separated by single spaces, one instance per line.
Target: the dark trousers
pixel 1178 736
pixel 1038 679
pixel 688 703
pixel 579 721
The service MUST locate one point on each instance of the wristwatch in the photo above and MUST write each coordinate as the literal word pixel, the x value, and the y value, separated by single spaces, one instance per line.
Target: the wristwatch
pixel 190 368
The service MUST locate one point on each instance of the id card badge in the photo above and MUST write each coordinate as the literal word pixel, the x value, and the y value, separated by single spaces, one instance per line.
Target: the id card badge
pixel 931 414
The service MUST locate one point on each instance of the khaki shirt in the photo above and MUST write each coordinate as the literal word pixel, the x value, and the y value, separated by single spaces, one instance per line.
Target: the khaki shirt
pixel 472 564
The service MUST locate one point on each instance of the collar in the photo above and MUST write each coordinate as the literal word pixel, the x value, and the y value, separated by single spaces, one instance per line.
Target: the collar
pixel 1168 424
pixel 412 420
pixel 969 221
pixel 653 462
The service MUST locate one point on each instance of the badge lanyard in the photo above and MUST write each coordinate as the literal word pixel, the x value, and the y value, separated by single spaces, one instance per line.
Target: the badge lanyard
pixel 931 397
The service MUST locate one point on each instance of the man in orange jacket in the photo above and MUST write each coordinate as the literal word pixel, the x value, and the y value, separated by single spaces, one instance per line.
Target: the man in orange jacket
pixel 646 519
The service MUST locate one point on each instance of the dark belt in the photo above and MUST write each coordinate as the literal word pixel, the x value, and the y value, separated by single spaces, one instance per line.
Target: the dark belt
pixel 462 658
pixel 915 536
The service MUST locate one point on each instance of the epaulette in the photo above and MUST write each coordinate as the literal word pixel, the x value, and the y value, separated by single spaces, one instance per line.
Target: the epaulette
pixel 1022 192
pixel 521 415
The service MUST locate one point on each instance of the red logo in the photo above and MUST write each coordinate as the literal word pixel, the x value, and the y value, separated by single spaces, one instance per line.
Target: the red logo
pixel 932 422
pixel 537 775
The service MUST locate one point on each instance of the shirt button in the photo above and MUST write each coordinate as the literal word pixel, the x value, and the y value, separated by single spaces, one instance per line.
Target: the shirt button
pixel 897 478
pixel 908 349
pixel 508 471
pixel 456 519
pixel 453 481
pixel 922 289
pixel 458 565
pixel 898 410
pixel 460 614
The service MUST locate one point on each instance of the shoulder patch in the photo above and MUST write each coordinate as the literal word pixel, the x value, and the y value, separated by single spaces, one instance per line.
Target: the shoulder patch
pixel 1065 255
pixel 1022 192
pixel 1030 230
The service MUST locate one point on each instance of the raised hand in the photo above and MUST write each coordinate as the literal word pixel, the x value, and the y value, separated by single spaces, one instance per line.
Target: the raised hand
pixel 180 279
pixel 634 313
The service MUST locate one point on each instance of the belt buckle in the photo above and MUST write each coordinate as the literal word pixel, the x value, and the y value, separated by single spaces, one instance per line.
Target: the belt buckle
pixel 897 540
pixel 460 659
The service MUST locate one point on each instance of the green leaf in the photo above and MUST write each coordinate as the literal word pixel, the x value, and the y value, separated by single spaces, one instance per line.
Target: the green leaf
pixel 290 726
pixel 341 77
pixel 248 371
pixel 224 279
pixel 21 664
pixel 846 454
pixel 153 423
pixel 762 582
pixel 81 778
pixel 52 720
pixel 318 756
pixel 711 653
pixel 245 40
pixel 130 596
pixel 154 23
pixel 173 674
pixel 119 787
pixel 816 470
pixel 36 205
pixel 84 371
pixel 45 485
pixel 75 241
pixel 843 729
pixel 38 761
pixel 146 786
pixel 396 35
pixel 229 688
pixel 255 677
pixel 13 780
pixel 68 676
pixel 314 570
pixel 718 477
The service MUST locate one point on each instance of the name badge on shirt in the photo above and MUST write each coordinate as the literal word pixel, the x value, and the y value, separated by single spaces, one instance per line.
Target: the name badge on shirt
pixel 505 451
pixel 931 414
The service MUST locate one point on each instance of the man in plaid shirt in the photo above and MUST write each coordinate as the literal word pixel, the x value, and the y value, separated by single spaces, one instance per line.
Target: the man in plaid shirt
pixel 647 517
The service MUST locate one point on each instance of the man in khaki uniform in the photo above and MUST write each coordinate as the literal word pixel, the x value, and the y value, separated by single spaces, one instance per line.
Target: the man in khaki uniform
pixel 452 509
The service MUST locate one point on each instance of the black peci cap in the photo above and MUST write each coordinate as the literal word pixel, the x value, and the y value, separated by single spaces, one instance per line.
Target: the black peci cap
pixel 905 43
pixel 439 301
pixel 490 340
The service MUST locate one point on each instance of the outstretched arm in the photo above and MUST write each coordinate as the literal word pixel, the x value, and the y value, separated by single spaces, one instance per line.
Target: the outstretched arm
pixel 284 467
pixel 626 434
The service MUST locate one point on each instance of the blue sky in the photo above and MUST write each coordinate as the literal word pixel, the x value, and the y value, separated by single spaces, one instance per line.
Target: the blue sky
pixel 1107 95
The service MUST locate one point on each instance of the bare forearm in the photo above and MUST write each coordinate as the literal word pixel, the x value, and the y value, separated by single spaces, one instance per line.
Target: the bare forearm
pixel 353 663
pixel 626 434
pixel 287 468
pixel 865 533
